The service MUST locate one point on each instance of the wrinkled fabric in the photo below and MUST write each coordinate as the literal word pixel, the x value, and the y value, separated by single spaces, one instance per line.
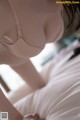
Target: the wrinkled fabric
pixel 60 98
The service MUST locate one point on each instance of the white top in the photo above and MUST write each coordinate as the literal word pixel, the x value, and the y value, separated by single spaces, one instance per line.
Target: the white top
pixel 60 99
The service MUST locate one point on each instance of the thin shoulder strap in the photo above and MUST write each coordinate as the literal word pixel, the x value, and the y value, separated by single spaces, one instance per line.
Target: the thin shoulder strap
pixel 16 18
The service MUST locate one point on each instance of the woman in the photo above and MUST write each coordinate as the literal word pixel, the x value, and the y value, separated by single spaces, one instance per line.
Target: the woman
pixel 28 27
pixel 59 99
pixel 32 23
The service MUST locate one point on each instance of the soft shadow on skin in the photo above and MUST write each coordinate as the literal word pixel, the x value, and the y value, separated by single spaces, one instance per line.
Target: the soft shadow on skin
pixel 32 117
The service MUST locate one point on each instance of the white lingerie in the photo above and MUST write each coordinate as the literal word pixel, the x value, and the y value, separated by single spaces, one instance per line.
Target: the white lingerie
pixel 22 47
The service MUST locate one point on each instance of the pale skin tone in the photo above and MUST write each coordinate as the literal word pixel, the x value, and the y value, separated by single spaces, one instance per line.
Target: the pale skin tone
pixel 16 62
pixel 11 110
pixel 33 117
pixel 31 75
pixel 19 64
pixel 25 69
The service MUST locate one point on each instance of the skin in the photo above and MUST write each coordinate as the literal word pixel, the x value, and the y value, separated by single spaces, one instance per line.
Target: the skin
pixel 33 117
pixel 20 64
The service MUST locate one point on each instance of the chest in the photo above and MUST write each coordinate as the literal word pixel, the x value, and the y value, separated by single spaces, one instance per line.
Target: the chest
pixel 7 24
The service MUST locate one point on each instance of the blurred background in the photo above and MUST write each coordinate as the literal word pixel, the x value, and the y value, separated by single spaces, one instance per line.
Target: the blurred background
pixel 53 51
